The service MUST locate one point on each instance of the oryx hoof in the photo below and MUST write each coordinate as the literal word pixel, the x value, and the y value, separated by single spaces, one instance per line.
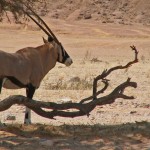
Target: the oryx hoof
pixel 27 122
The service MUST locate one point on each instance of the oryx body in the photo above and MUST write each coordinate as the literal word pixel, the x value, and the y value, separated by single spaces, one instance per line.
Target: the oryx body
pixel 27 67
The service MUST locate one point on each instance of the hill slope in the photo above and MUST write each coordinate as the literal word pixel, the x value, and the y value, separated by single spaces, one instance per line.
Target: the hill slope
pixel 105 11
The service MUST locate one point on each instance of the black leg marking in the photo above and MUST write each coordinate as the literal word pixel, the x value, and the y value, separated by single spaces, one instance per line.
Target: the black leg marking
pixel 16 81
pixel 30 90
pixel 26 116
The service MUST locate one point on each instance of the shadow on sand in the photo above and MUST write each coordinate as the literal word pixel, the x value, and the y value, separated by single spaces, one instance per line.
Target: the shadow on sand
pixel 75 137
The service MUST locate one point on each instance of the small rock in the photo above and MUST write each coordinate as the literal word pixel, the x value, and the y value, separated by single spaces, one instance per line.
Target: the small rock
pixel 11 117
pixel 141 127
pixel 136 142
pixel 8 143
pixel 104 22
pixel 87 16
pixel 132 112
pixel 75 79
pixel 47 143
pixel 65 100
pixel 130 135
pixel 118 148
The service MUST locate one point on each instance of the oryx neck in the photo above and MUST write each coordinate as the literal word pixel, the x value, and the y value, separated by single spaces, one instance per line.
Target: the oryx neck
pixel 48 57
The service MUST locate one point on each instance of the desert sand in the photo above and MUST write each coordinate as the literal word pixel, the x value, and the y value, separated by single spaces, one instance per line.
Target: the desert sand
pixel 121 125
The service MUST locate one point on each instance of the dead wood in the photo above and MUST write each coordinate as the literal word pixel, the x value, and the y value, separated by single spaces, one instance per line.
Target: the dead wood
pixel 85 106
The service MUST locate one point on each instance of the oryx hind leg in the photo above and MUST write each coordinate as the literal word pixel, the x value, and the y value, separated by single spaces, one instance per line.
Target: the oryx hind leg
pixel 29 92
pixel 2 81
pixel 1 85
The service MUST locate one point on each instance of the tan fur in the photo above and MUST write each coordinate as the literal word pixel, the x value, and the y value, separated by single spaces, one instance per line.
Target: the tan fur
pixel 28 65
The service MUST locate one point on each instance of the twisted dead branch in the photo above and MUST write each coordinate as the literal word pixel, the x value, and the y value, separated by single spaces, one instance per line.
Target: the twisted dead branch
pixel 85 106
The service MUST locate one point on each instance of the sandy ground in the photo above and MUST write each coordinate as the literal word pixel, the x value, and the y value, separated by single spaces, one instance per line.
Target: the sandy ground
pixel 84 40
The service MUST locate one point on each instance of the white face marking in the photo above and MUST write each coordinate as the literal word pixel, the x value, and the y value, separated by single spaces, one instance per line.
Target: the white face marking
pixel 68 62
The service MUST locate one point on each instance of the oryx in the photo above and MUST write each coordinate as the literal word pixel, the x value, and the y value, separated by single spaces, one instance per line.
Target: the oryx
pixel 27 67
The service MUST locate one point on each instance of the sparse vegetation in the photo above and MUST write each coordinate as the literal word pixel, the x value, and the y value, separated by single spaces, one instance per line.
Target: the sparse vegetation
pixel 87 56
pixel 95 60
pixel 85 83
pixel 143 59
pixel 15 7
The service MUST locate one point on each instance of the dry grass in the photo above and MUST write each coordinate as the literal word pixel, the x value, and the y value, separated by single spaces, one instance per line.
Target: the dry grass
pixel 75 83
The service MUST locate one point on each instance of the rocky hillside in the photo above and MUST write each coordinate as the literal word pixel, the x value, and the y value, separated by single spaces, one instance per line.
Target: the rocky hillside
pixel 105 11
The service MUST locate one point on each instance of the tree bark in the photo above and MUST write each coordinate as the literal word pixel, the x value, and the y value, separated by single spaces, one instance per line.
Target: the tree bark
pixel 85 106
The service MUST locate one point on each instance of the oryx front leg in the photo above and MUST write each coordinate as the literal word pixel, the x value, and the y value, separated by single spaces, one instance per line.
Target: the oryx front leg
pixel 27 119
pixel 29 92
pixel 2 81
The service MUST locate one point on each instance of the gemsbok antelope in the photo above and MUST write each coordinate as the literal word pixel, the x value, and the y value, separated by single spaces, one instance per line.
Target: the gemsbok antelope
pixel 27 67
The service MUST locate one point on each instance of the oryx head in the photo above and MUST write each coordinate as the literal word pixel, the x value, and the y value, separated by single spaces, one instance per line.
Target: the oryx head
pixel 63 56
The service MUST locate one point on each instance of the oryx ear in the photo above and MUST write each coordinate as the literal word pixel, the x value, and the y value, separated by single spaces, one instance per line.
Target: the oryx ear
pixel 44 40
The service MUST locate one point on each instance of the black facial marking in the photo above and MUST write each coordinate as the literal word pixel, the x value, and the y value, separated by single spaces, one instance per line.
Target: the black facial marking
pixel 64 55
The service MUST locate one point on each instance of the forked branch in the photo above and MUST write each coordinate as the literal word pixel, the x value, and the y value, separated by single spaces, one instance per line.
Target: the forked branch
pixel 81 108
pixel 105 73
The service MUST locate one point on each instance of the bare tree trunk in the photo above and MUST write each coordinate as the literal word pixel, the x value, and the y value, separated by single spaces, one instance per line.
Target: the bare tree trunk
pixel 85 106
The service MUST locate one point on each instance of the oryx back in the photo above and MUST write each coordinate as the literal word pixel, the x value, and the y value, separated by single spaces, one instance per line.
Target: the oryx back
pixel 19 66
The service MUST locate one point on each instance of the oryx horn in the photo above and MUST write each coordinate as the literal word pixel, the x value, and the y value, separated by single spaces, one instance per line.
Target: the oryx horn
pixel 38 24
pixel 50 31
